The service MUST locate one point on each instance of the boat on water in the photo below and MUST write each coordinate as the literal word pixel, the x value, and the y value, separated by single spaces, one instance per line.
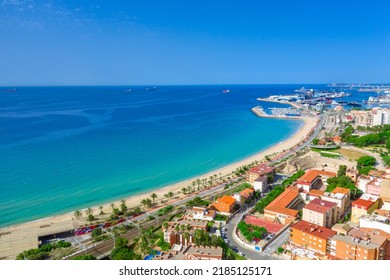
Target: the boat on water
pixel 354 103
pixel 226 90
pixel 151 88
pixel 128 90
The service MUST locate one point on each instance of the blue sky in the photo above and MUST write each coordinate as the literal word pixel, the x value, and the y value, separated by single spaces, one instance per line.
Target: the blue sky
pixel 193 42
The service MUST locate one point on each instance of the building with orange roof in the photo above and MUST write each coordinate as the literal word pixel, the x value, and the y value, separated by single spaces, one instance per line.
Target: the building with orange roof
pixel 337 140
pixel 247 193
pixel 223 204
pixel 280 208
pixel 314 179
pixel 259 170
pixel 340 196
pixel 320 212
pixel 310 236
pixel 366 204
pixel 313 194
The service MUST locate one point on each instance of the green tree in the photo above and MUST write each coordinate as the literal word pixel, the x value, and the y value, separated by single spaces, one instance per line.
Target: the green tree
pixel 96 233
pixel 342 171
pixel 153 196
pixel 101 210
pixel 121 242
pixel 315 141
pixel 365 164
pixel 123 206
pixel 78 214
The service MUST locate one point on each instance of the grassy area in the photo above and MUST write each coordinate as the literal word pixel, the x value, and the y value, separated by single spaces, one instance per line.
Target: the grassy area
pixel 330 155
pixel 350 154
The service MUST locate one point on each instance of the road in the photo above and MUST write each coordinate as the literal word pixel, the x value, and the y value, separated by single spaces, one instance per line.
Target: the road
pixel 278 242
pixel 249 254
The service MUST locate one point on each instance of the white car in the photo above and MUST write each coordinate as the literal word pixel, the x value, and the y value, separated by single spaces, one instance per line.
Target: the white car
pixel 226 241
pixel 241 254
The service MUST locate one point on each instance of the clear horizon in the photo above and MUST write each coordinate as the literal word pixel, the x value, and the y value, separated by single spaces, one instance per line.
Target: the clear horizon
pixel 53 43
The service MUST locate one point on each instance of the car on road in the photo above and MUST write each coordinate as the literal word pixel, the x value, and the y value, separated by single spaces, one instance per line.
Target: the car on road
pixel 224 229
pixel 226 240
pixel 241 254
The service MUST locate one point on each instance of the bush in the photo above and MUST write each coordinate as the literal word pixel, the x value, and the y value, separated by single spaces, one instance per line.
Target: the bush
pixel 251 231
pixel 198 201
pixel 84 257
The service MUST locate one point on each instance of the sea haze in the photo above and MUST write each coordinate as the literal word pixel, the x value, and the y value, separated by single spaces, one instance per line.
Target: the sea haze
pixel 67 148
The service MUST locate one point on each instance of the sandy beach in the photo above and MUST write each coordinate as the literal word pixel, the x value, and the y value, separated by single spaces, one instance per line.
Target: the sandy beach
pixel 17 238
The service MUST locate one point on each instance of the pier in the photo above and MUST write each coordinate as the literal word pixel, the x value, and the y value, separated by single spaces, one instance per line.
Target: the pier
pixel 259 111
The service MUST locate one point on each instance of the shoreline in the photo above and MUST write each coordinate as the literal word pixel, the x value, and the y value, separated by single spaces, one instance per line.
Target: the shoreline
pixel 66 220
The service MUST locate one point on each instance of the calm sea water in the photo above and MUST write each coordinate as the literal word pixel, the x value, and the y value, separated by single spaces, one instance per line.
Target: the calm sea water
pixel 66 148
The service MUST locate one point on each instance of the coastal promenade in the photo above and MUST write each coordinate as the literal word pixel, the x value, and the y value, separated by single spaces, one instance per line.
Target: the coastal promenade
pixel 15 239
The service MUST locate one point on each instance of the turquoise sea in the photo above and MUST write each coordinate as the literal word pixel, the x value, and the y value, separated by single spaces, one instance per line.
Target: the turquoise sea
pixel 67 148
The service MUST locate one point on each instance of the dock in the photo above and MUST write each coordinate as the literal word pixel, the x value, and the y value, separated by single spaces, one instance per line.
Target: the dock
pixel 259 111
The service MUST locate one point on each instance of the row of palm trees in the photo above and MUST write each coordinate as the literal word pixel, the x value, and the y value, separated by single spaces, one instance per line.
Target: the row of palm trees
pixel 196 185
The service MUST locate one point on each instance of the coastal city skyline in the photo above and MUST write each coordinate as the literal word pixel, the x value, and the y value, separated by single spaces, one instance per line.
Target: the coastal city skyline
pixel 218 42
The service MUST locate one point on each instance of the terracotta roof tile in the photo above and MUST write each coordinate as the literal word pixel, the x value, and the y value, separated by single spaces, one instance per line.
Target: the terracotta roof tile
pixel 312 174
pixel 312 229
pixel 261 169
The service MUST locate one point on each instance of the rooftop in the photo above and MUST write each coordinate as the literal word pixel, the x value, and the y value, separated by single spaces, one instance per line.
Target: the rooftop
pixel 312 229
pixel 261 169
pixel 321 206
pixel 247 192
pixel 285 198
pixel 271 227
pixel 365 201
pixel 368 236
pixel 227 199
pixel 312 174
pixel 355 241
pixel 315 192
pixel 341 190
pixel 204 251
pixel 261 179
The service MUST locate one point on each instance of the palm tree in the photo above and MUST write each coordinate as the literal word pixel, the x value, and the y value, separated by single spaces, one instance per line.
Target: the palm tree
pixel 78 214
pixel 220 176
pixel 101 210
pixel 123 206
pixel 198 182
pixel 89 211
pixel 193 185
pixel 145 202
pixel 211 179
pixel 184 190
pixel 112 205
pixel 153 196
pixel 170 194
